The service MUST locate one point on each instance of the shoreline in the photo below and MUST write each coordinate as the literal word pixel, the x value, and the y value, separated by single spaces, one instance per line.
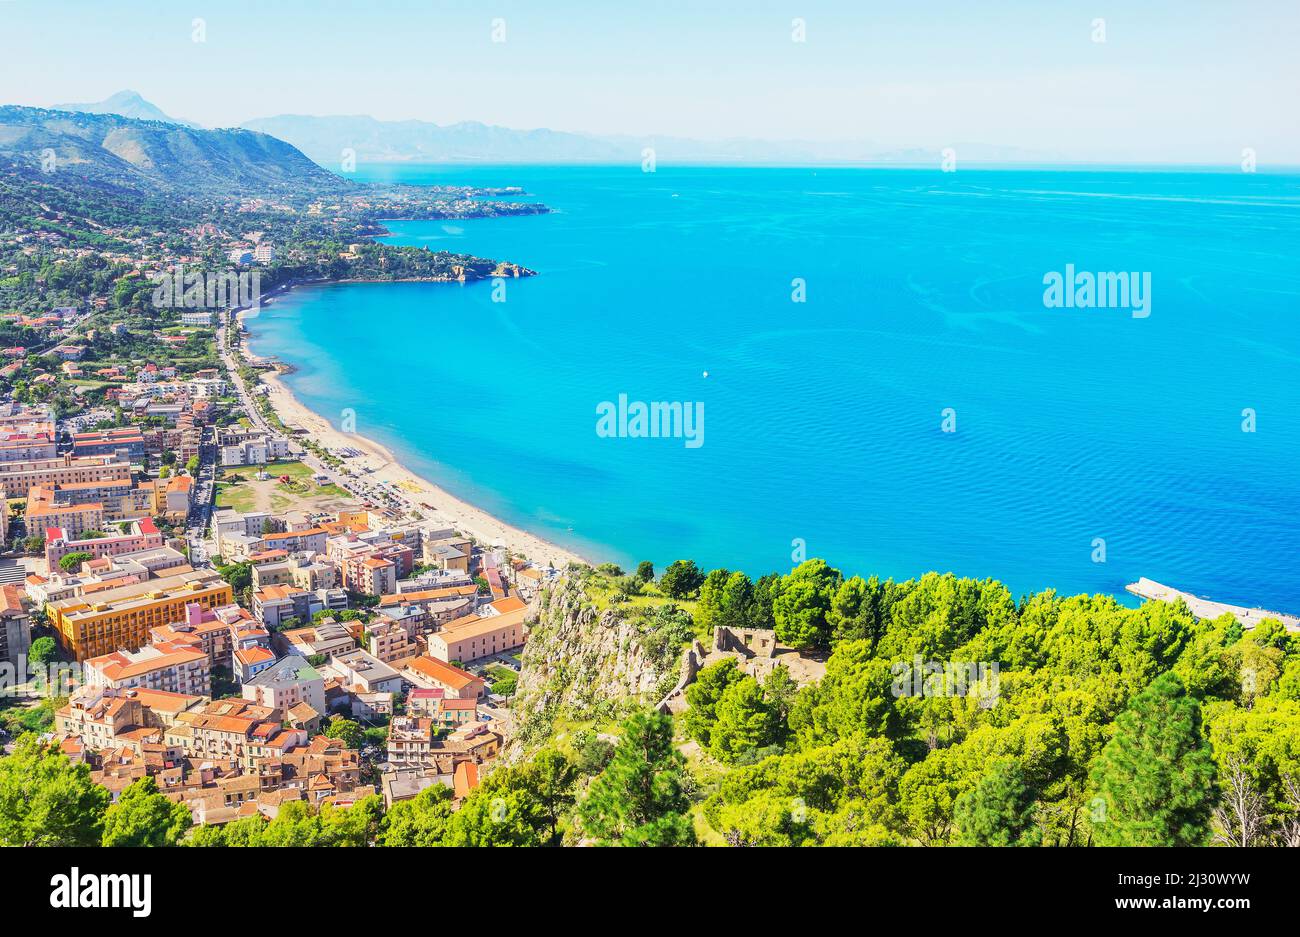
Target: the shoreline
pixel 415 490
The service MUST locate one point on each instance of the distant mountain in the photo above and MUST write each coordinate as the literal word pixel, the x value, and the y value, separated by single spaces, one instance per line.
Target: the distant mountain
pixel 126 104
pixel 119 153
pixel 325 139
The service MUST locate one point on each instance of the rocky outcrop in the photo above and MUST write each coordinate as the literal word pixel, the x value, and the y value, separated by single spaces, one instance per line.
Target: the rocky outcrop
pixel 584 662
pixel 507 269
pixel 691 663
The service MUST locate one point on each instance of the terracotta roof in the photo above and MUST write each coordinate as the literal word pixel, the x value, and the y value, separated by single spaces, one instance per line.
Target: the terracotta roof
pixel 407 598
pixel 294 533
pixel 118 666
pixel 472 625
pixel 11 599
pixel 465 779
pixel 458 704
pixel 444 673
pixel 250 656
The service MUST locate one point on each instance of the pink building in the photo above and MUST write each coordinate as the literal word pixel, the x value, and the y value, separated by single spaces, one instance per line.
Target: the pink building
pixel 144 536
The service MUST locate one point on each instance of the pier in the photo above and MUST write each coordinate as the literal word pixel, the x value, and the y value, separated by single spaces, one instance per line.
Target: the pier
pixel 1204 608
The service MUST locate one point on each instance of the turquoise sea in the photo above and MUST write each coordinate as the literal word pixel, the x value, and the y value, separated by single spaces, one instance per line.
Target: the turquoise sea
pixel 924 291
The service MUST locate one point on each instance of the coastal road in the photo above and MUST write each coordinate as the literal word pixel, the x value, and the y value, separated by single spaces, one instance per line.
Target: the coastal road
pixel 355 485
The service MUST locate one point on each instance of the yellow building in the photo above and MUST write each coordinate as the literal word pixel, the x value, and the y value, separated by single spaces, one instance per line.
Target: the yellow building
pixel 120 619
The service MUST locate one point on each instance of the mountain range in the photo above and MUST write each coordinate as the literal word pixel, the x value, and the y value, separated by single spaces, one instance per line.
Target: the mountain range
pixel 326 138
pixel 111 152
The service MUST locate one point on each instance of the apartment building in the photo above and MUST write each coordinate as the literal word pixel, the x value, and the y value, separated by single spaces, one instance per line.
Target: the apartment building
pixel 217 631
pixel 278 568
pixel 451 554
pixel 375 576
pixel 171 496
pixel 44 512
pixel 285 684
pixel 364 673
pixel 241 447
pixel 67 470
pixel 125 442
pixel 413 743
pixel 389 641
pixel 440 606
pixel 15 626
pixel 101 716
pixel 236 729
pixel 174 667
pixel 474 637
pixel 321 639
pixel 139 535
pixel 431 673
pixel 451 712
pixel 273 605
pixel 248 662
pixel 228 522
pixel 410 742
pixel 121 618
pixel 27 447
pixel 104 573
pixel 309 540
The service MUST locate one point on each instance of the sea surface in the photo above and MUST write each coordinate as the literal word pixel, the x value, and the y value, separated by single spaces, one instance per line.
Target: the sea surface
pixel 824 419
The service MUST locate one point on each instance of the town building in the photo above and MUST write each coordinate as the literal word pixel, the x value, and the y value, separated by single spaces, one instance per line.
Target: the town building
pixel 499 629
pixel 171 666
pixel 431 673
pixel 364 673
pixel 125 443
pixel 120 619
pixel 66 470
pixel 138 535
pixel 15 625
pixel 322 639
pixel 285 684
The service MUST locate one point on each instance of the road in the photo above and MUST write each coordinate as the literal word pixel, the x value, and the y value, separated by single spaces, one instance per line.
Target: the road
pixel 353 483
pixel 205 489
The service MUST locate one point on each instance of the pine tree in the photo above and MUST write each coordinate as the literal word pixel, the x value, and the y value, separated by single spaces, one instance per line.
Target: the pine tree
pixel 143 816
pixel 1155 777
pixel 999 810
pixel 638 800
pixel 745 721
pixel 702 697
pixel 46 800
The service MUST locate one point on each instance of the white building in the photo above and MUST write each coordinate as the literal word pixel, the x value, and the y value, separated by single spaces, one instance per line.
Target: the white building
pixel 257 450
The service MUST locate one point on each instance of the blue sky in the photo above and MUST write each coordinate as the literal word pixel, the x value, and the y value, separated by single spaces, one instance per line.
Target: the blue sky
pixel 1174 81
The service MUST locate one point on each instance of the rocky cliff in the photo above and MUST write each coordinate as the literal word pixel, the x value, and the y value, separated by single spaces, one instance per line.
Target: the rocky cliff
pixel 591 660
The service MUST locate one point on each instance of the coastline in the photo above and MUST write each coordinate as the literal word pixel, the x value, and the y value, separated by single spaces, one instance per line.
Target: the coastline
pixel 415 490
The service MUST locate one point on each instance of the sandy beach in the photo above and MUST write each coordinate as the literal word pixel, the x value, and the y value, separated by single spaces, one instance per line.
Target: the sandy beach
pixel 447 509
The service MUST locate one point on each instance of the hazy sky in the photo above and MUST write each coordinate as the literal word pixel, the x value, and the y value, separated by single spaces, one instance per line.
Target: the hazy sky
pixel 1177 80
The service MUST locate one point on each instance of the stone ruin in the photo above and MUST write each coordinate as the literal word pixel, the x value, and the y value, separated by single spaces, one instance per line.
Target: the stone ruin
pixel 749 642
